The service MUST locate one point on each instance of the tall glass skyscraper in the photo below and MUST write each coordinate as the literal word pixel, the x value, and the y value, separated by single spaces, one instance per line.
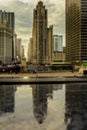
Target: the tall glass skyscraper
pixel 76 30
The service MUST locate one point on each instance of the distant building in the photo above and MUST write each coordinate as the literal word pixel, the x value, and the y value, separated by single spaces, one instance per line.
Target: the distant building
pixel 15 46
pixel 18 48
pixel 22 52
pixel 49 44
pixel 41 36
pixel 58 43
pixel 30 50
pixel 57 52
pixel 76 30
pixel 5 44
pixel 10 18
pixel 58 56
pixel 64 49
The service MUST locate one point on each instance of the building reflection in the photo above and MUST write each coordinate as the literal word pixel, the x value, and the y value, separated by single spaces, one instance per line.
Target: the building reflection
pixel 76 106
pixel 57 87
pixel 40 95
pixel 7 98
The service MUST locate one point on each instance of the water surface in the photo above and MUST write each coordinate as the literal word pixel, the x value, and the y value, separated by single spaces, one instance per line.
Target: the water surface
pixel 43 107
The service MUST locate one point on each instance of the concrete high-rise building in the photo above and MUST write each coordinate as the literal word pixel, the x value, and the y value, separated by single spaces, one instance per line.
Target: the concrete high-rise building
pixel 76 30
pixel 18 49
pixel 39 35
pixel 15 46
pixel 57 49
pixel 49 44
pixel 5 44
pixel 10 18
pixel 30 50
pixel 58 43
pixel 22 52
pixel 58 57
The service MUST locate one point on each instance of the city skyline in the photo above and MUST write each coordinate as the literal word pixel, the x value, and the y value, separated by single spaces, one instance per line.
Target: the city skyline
pixel 23 10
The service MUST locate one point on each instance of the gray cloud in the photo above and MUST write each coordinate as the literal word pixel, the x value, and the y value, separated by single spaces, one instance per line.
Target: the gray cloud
pixel 56 13
pixel 24 15
pixel 56 16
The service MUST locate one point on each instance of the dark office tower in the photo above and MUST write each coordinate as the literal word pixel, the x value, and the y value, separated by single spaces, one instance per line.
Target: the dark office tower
pixel 39 33
pixel 76 30
pixel 10 18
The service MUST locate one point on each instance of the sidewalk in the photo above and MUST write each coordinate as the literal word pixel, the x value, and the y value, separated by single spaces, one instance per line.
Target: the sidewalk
pixel 66 73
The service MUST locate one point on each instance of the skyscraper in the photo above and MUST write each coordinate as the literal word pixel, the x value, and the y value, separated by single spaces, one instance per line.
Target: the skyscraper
pixel 18 48
pixel 58 43
pixel 10 18
pixel 39 35
pixel 30 50
pixel 76 30
pixel 5 44
pixel 49 44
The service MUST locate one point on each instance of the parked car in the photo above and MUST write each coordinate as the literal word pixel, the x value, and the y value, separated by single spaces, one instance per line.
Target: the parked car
pixel 9 68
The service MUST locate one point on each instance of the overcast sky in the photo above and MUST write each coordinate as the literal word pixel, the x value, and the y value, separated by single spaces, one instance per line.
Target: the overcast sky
pixel 23 10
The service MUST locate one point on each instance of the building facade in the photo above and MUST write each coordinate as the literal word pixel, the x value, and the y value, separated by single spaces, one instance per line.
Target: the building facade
pixel 5 44
pixel 30 50
pixel 22 52
pixel 49 44
pixel 15 46
pixel 58 57
pixel 76 30
pixel 58 43
pixel 44 47
pixel 18 49
pixel 41 35
pixel 10 18
pixel 57 50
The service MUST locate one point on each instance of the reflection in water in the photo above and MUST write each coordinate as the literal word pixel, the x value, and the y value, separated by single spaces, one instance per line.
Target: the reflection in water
pixel 66 111
pixel 40 95
pixel 57 87
pixel 76 107
pixel 7 98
